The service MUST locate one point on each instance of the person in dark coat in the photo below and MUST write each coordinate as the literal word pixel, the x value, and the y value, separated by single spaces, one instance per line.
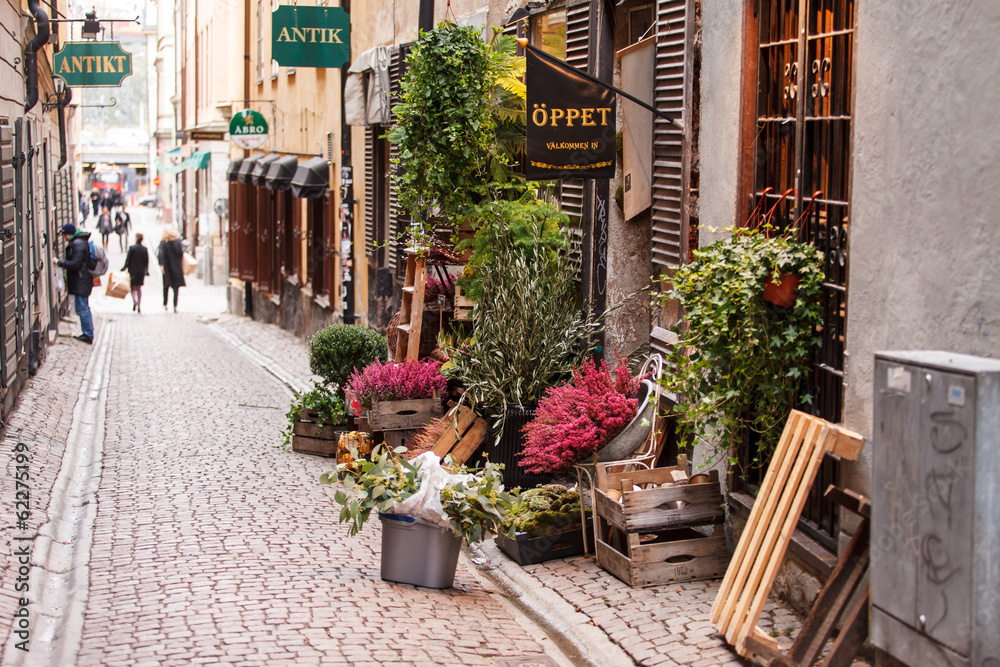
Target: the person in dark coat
pixel 170 255
pixel 95 200
pixel 84 209
pixel 137 265
pixel 123 223
pixel 79 281
pixel 105 226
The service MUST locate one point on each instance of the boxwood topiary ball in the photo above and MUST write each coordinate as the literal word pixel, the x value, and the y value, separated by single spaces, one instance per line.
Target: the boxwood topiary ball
pixel 334 352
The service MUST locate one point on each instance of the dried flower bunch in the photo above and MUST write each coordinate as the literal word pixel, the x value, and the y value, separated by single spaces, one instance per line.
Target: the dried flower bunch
pixel 409 380
pixel 577 418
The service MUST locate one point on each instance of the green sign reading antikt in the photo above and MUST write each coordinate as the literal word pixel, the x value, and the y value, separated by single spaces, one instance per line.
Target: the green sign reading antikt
pixel 90 64
pixel 310 36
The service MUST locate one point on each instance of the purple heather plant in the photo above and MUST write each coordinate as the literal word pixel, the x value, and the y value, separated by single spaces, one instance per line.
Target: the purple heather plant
pixel 576 419
pixel 410 380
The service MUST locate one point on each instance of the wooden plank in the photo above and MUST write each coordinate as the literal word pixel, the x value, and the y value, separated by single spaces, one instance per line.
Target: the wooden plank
pixel 469 442
pixel 850 500
pixel 847 444
pixel 613 561
pixel 852 636
pixel 417 307
pixel 315 446
pixel 753 534
pixel 311 430
pixel 699 546
pixel 404 415
pixel 766 647
pixel 462 418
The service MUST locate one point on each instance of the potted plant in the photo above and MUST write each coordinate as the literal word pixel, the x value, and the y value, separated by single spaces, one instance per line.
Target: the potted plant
pixel 741 360
pixel 334 352
pixel 425 510
pixel 577 418
pixel 528 332
pixel 399 396
pixel 312 420
pixel 546 522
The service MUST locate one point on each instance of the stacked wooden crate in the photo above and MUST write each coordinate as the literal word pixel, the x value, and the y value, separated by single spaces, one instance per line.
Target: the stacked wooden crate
pixel 657 527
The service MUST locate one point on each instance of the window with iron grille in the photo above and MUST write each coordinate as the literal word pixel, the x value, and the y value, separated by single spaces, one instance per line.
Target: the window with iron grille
pixel 801 63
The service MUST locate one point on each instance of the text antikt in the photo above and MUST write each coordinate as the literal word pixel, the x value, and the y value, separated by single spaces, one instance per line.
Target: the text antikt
pixel 326 35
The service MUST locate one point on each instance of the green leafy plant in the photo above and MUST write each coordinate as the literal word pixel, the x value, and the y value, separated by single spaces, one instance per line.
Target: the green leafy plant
pixel 545 510
pixel 460 122
pixel 334 352
pixel 528 331
pixel 740 361
pixel 327 405
pixel 474 507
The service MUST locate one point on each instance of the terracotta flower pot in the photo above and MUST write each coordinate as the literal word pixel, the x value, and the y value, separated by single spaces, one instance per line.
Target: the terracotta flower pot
pixel 782 293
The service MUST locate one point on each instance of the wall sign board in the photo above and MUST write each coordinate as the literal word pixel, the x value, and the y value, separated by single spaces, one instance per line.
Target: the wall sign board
pixel 248 129
pixel 310 36
pixel 92 64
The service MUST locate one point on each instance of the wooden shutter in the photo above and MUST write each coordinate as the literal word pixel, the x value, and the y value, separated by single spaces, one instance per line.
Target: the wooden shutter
pixel 233 234
pixel 265 240
pixel 672 92
pixel 369 192
pixel 248 234
pixel 330 243
pixel 297 238
pixel 572 192
pixel 399 221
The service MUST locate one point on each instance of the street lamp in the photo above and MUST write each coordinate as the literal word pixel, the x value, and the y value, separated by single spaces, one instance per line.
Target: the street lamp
pixel 91 26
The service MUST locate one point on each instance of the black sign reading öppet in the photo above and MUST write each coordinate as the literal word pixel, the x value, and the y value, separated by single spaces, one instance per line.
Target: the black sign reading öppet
pixel 571 124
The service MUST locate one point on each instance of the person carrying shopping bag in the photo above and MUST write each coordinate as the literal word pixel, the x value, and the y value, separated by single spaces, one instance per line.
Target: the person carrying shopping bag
pixel 170 255
pixel 137 265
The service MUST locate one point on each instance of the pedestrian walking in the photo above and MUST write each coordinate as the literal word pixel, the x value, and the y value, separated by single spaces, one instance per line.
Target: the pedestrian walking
pixel 170 255
pixel 84 208
pixel 105 227
pixel 137 265
pixel 79 281
pixel 95 200
pixel 123 224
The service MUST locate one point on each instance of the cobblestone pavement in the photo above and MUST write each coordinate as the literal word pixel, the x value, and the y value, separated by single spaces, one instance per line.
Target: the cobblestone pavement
pixel 213 546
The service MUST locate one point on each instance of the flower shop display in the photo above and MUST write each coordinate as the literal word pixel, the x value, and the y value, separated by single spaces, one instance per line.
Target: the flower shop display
pixel 547 524
pixel 426 511
pixel 741 361
pixel 576 419
pixel 336 351
pixel 313 418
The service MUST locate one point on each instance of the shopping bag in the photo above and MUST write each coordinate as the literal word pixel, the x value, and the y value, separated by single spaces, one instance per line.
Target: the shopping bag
pixel 189 263
pixel 119 285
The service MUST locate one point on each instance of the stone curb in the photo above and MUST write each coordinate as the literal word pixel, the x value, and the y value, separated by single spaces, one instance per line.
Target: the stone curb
pixel 60 576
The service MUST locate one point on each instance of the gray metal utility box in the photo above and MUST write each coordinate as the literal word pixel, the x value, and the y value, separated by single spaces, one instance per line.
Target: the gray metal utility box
pixel 935 540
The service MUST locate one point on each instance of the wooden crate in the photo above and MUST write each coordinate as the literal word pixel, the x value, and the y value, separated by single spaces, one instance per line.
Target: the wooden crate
pixel 660 507
pixel 463 436
pixel 395 439
pixel 404 415
pixel 662 557
pixel 309 438
pixel 463 305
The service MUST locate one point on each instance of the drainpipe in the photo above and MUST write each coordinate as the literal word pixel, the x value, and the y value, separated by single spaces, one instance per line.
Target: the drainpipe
pixel 426 17
pixel 30 58
pixel 63 102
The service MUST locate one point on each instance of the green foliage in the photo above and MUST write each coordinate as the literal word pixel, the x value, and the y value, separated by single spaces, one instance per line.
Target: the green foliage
pixel 620 197
pixel 474 508
pixel 328 405
pixel 747 358
pixel 460 121
pixel 529 333
pixel 334 352
pixel 545 510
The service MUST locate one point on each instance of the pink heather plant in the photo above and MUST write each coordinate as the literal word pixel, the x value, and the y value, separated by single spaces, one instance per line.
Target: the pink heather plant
pixel 396 382
pixel 576 419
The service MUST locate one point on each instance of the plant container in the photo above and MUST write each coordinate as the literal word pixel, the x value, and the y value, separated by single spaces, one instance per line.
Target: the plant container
pixel 418 552
pixel 525 550
pixel 510 445
pixel 783 293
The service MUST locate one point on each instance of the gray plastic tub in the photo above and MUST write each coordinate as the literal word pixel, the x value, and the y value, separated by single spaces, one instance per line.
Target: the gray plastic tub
pixel 418 552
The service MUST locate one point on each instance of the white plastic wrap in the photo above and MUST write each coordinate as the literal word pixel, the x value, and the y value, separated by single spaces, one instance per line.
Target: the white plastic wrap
pixel 426 502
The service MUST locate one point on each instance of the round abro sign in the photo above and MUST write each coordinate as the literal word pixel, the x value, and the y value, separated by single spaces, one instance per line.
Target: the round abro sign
pixel 248 129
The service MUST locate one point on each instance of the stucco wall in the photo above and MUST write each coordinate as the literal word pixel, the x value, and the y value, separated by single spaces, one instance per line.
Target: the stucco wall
pixel 721 57
pixel 925 231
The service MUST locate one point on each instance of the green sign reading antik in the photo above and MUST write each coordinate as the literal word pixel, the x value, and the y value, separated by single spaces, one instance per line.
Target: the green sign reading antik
pixel 248 129
pixel 310 36
pixel 91 64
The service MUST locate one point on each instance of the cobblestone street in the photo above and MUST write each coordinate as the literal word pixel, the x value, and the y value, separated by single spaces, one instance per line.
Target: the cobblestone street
pixel 212 545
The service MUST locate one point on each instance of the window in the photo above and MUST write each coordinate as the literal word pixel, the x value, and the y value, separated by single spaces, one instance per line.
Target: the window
pixel 548 32
pixel 640 22
pixel 800 140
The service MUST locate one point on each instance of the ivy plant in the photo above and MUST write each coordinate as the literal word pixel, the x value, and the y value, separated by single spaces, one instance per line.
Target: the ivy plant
pixel 741 361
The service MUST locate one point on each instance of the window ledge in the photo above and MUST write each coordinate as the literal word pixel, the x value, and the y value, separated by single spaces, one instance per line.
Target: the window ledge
pixel 805 549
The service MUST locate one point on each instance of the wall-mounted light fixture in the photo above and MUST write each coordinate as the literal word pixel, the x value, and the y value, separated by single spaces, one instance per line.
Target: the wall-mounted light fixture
pixel 91 26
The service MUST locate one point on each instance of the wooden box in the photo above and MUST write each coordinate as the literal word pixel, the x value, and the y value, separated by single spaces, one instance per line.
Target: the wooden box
pixel 662 557
pixel 463 305
pixel 394 439
pixel 404 415
pixel 660 507
pixel 309 438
